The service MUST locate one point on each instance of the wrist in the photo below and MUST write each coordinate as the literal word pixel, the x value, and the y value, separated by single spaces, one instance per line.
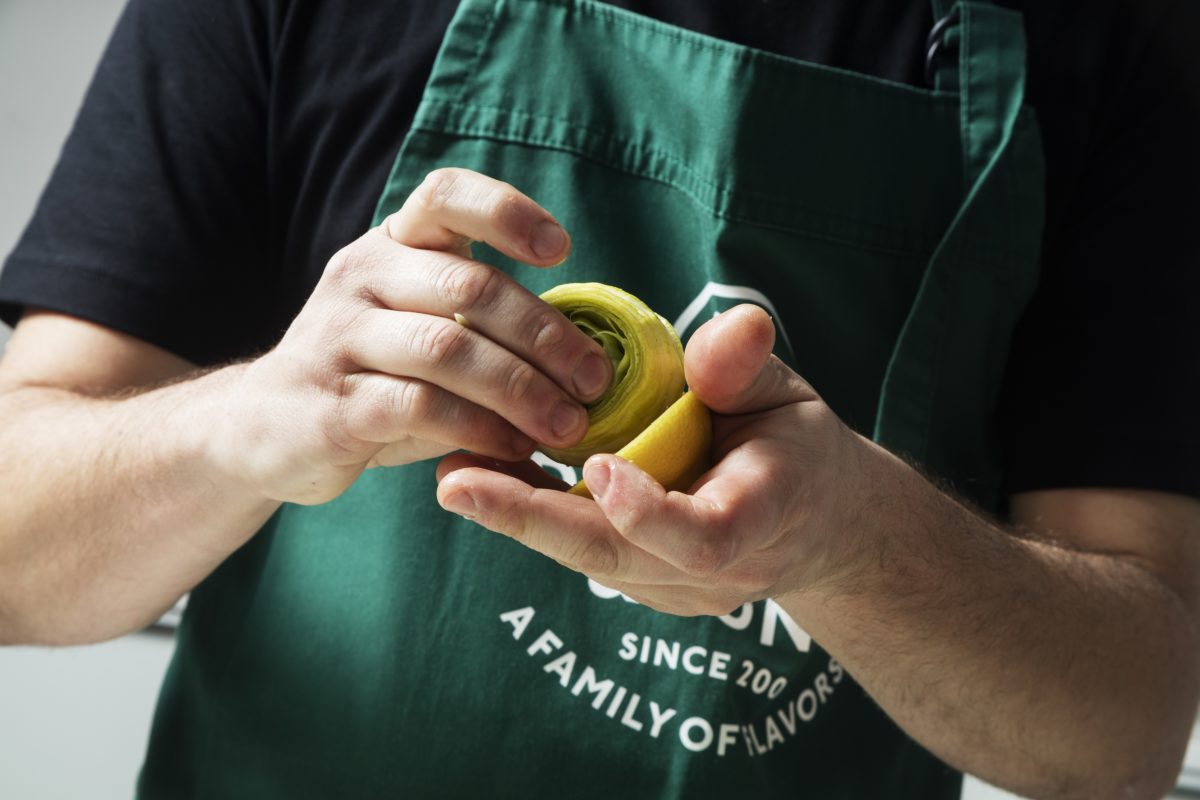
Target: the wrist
pixel 860 518
pixel 895 532
pixel 219 430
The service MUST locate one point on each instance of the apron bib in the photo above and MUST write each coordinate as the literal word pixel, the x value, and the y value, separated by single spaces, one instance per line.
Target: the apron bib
pixel 378 646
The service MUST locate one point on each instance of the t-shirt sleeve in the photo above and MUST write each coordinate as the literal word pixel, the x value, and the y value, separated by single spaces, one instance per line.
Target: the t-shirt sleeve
pixel 155 220
pixel 1104 378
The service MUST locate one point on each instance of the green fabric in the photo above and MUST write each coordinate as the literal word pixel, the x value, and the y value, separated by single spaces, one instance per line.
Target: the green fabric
pixel 941 385
pixel 379 647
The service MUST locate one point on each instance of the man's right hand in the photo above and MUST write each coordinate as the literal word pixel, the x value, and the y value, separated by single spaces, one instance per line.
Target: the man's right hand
pixel 376 371
pixel 118 493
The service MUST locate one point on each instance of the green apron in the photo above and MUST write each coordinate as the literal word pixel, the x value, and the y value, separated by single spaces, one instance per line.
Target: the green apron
pixel 380 647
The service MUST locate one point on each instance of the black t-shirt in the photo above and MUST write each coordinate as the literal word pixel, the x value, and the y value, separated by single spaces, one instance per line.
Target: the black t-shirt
pixel 227 149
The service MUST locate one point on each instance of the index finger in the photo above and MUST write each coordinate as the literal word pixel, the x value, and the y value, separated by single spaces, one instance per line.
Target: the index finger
pixel 453 207
pixel 569 529
pixel 492 305
pixel 448 210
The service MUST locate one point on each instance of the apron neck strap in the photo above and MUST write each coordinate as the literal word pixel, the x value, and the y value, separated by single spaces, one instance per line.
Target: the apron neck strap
pixel 987 70
pixel 978 50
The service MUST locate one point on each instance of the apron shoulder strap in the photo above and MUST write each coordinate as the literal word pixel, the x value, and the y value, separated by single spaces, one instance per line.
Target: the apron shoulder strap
pixel 978 50
pixel 988 73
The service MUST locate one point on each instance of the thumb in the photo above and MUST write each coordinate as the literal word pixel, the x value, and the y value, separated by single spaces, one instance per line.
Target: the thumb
pixel 729 365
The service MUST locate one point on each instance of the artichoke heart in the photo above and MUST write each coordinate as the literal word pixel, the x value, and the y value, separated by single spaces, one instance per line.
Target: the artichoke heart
pixel 647 359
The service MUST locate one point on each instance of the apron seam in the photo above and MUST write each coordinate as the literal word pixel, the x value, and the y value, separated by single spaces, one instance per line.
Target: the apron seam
pixel 1000 268
pixel 964 106
pixel 689 192
pixel 717 188
pixel 472 69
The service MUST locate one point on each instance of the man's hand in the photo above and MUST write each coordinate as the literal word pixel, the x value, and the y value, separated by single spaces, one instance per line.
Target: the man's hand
pixel 121 492
pixel 756 525
pixel 1060 661
pixel 377 371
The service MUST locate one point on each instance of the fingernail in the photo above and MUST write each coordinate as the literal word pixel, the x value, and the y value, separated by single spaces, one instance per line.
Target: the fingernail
pixel 565 419
pixel 596 475
pixel 548 239
pixel 591 376
pixel 461 503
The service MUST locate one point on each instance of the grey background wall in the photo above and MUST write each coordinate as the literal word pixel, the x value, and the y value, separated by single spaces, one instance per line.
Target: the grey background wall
pixel 48 49
pixel 73 722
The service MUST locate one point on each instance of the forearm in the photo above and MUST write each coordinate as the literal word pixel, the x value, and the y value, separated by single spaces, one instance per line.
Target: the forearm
pixel 1052 671
pixel 1009 657
pixel 112 508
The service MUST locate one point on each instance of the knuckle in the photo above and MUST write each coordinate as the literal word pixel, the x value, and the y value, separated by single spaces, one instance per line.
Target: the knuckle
pixel 598 557
pixel 519 384
pixel 438 189
pixel 388 226
pixel 505 205
pixel 334 421
pixel 439 343
pixel 507 518
pixel 335 339
pixel 355 413
pixel 344 387
pixel 632 516
pixel 378 414
pixel 346 264
pixel 466 285
pixel 723 523
pixel 412 401
pixel 548 334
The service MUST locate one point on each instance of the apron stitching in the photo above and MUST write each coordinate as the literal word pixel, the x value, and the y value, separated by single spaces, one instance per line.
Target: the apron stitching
pixel 964 108
pixel 1000 272
pixel 624 143
pixel 489 23
pixel 693 195
pixel 947 279
pixel 1002 256
pixel 936 371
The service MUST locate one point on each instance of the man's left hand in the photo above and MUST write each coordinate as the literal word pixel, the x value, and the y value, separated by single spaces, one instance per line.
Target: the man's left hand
pixel 768 519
